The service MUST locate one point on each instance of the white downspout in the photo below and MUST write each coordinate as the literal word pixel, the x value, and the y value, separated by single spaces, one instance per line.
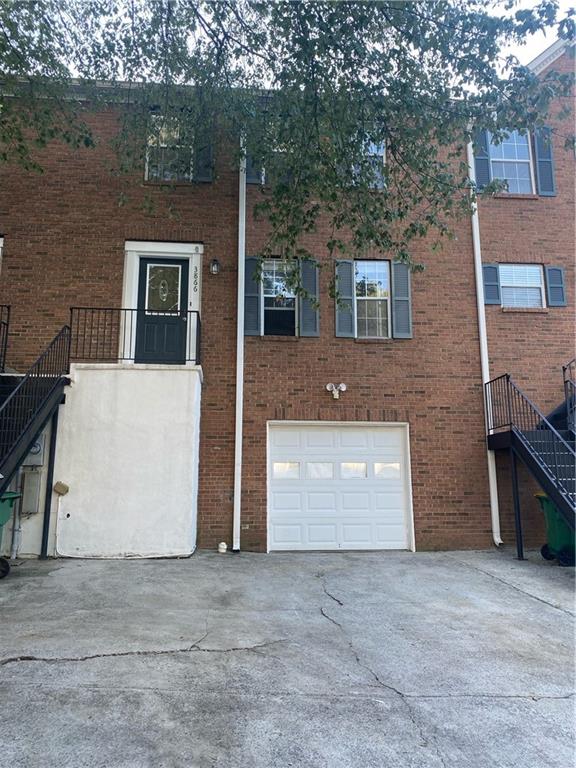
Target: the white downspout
pixel 239 352
pixel 484 364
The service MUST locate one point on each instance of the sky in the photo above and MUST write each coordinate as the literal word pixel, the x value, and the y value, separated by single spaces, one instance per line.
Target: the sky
pixel 538 43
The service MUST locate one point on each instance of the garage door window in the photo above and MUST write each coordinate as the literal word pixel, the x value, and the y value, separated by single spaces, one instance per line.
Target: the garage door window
pixel 350 470
pixel 286 470
pixel 386 469
pixel 319 470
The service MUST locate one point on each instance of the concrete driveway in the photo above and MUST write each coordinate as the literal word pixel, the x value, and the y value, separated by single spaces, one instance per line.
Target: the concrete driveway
pixel 265 661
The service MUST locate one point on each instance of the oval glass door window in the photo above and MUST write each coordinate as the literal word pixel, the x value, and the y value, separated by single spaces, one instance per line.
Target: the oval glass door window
pixel 286 470
pixel 319 470
pixel 163 288
pixel 350 470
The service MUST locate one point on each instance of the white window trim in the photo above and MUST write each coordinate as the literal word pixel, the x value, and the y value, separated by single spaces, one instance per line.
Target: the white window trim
pixel 519 264
pixel 296 308
pixel 375 298
pixel 530 162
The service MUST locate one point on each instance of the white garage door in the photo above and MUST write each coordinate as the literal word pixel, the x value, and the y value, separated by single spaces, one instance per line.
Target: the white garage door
pixel 338 487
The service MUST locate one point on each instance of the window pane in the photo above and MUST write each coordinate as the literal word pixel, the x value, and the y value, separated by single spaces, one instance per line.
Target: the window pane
pixel 352 469
pixel 279 322
pixel 517 175
pixel 372 279
pixel 521 275
pixel 372 318
pixel 286 470
pixel 319 470
pixel 163 289
pixel 521 297
pixel 386 469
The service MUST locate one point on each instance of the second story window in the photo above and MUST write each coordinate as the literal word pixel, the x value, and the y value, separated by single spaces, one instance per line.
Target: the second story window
pixel 169 154
pixel 173 156
pixel 525 163
pixel 279 301
pixel 372 295
pixel 511 162
pixel 522 285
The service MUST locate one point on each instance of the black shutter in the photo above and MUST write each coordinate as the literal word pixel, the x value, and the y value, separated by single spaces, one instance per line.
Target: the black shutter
pixel 203 163
pixel 309 314
pixel 401 301
pixel 555 287
pixel 482 159
pixel 491 275
pixel 544 162
pixel 345 305
pixel 252 288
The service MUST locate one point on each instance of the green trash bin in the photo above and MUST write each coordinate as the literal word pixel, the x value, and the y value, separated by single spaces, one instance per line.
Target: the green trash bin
pixel 6 504
pixel 559 537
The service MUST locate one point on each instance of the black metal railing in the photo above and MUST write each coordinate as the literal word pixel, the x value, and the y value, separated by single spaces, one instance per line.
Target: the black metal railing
pixel 509 409
pixel 4 328
pixel 20 408
pixel 569 375
pixel 112 335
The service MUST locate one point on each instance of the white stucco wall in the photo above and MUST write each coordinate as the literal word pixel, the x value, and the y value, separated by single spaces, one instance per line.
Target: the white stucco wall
pixel 128 444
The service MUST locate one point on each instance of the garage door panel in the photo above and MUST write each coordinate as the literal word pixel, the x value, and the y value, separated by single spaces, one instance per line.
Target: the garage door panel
pixel 323 534
pixel 287 501
pixel 355 501
pixel 349 491
pixel 287 534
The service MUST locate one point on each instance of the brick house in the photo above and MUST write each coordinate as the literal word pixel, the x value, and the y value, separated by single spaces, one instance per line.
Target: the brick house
pixel 213 421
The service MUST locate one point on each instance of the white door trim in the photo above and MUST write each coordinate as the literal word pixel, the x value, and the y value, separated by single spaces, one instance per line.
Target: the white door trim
pixel 134 250
pixel 321 423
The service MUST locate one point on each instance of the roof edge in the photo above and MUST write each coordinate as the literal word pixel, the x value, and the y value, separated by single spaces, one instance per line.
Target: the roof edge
pixel 548 56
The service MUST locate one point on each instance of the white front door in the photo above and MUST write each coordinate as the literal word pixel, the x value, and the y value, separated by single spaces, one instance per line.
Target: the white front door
pixel 338 487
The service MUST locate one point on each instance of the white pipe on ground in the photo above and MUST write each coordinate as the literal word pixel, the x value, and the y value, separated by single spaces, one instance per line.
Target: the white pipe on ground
pixel 239 352
pixel 484 362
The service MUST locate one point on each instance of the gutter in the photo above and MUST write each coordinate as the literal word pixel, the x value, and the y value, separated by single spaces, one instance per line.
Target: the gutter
pixel 239 352
pixel 484 363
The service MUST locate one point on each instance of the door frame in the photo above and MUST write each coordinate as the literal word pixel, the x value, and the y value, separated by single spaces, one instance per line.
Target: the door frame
pixel 409 512
pixel 134 250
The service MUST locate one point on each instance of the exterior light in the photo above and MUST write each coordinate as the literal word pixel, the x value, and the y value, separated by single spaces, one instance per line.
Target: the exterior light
pixel 215 267
pixel 336 389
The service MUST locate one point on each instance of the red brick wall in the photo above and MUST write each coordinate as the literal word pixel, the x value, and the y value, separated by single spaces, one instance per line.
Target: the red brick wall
pixel 64 245
pixel 533 345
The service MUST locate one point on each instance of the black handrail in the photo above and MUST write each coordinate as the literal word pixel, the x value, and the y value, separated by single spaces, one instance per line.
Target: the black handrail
pixel 508 408
pixel 20 408
pixel 110 334
pixel 4 328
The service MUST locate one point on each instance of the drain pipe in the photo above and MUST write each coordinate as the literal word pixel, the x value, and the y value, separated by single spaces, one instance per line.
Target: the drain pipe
pixel 239 351
pixel 484 363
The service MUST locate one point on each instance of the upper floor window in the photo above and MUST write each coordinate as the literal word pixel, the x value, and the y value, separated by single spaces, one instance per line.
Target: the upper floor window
pixel 522 285
pixel 377 159
pixel 172 155
pixel 511 162
pixel 524 162
pixel 372 297
pixel 279 301
pixel 272 306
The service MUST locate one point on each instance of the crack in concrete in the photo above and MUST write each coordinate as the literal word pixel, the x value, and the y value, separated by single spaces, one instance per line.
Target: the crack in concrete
pixel 194 648
pixel 512 586
pixel 320 575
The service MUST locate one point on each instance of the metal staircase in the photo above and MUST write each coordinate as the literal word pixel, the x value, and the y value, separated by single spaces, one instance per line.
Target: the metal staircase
pixel 30 402
pixel 516 424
